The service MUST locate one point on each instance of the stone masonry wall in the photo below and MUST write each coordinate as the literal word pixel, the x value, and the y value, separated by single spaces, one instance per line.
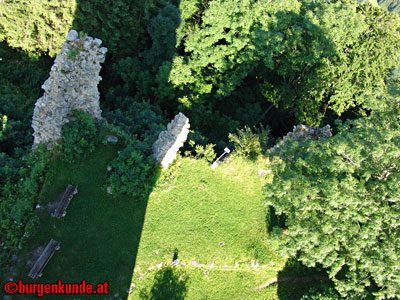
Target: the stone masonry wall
pixel 72 85
pixel 169 141
pixel 302 132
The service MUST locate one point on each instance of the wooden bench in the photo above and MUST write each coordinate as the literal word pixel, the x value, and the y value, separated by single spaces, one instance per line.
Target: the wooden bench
pixel 61 210
pixel 44 258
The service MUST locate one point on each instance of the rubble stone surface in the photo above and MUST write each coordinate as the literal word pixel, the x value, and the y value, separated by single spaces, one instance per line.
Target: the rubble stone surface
pixel 303 132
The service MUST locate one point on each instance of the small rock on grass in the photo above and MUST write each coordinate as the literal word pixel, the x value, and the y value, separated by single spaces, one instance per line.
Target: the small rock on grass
pixel 175 262
pixel 254 264
pixel 194 263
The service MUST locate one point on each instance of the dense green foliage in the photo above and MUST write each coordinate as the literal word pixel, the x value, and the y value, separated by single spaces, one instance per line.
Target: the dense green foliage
pixel 137 118
pixel 118 25
pixel 80 136
pixel 17 201
pixel 340 196
pixel 21 175
pixel 229 65
pixel 305 57
pixel 20 83
pixel 250 144
pixel 134 170
pixel 37 27
pixel 326 294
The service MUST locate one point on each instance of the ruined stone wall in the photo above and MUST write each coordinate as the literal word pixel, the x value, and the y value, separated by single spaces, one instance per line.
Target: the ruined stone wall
pixel 303 132
pixel 72 85
pixel 169 141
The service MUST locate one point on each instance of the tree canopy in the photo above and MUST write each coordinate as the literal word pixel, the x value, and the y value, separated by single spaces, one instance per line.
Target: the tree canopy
pixel 340 196
pixel 38 27
pixel 306 57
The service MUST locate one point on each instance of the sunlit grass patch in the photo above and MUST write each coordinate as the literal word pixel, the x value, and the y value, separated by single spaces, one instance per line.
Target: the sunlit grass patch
pixel 214 222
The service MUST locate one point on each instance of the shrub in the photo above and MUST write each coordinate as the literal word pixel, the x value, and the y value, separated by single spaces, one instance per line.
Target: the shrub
pixel 80 137
pixel 206 153
pixel 249 143
pixel 134 171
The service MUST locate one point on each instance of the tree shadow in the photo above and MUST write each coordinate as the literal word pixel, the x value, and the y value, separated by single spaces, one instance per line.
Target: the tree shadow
pixel 22 77
pixel 99 236
pixel 110 229
pixel 169 284
pixel 295 280
pixel 272 220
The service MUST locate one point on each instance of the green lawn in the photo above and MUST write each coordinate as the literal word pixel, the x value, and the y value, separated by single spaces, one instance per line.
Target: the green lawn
pixel 202 209
pixel 99 235
pixel 192 210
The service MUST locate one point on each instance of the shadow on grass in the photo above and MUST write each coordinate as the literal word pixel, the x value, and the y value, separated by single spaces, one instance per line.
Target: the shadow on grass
pixel 296 280
pixel 272 220
pixel 168 284
pixel 99 236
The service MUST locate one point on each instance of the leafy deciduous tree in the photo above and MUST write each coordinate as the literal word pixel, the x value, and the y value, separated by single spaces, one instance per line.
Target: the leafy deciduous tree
pixel 36 26
pixel 341 199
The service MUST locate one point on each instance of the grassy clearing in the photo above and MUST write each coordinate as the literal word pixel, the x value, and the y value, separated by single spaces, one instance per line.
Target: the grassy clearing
pixel 202 209
pixel 192 210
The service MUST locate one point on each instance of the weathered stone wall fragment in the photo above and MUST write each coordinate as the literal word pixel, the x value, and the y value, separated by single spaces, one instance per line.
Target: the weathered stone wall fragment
pixel 303 132
pixel 72 85
pixel 169 141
